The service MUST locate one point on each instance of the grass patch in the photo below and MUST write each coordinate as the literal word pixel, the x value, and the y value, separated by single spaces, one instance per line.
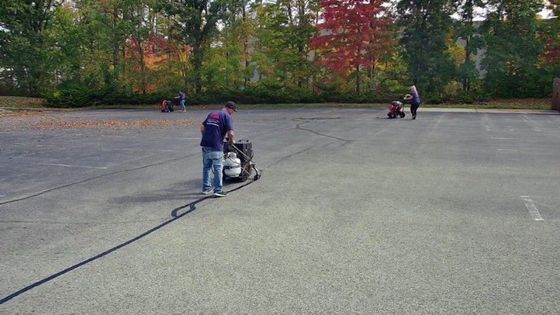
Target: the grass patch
pixel 528 104
pixel 310 105
pixel 525 103
pixel 19 103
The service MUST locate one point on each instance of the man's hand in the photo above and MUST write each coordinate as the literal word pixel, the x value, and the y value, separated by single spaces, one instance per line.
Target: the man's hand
pixel 230 137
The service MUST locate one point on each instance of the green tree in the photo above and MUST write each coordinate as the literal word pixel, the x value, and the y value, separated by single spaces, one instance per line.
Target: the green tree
pixel 107 32
pixel 425 25
pixel 551 34
pixel 195 24
pixel 234 45
pixel 139 24
pixel 466 30
pixel 283 31
pixel 80 43
pixel 67 39
pixel 513 48
pixel 301 15
pixel 24 52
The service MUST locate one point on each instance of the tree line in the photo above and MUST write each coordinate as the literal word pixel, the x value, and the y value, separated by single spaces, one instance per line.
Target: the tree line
pixel 77 52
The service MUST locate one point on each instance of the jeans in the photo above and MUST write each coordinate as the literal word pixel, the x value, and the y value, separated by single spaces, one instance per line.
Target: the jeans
pixel 182 103
pixel 212 161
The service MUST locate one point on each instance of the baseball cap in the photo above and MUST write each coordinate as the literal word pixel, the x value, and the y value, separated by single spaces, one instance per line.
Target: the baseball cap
pixel 231 105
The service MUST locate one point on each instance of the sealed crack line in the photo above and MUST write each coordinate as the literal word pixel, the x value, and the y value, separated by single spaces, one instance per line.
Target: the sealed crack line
pixel 299 127
pixel 93 178
pixel 175 216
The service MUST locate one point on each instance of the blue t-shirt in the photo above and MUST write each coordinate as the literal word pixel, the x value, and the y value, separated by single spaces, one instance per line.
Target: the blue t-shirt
pixel 216 125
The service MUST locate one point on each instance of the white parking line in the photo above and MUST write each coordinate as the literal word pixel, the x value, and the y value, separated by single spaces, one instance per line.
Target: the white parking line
pixel 487 123
pixel 76 166
pixel 533 211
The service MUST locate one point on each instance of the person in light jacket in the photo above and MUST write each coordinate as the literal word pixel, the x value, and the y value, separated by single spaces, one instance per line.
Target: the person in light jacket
pixel 414 99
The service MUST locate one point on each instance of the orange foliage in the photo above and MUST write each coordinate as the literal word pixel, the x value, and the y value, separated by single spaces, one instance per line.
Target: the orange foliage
pixel 156 50
pixel 552 50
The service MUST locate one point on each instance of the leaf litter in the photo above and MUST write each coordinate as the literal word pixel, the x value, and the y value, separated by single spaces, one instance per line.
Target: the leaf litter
pixel 39 120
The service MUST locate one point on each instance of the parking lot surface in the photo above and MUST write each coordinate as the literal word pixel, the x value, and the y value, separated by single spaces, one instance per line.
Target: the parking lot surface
pixel 455 213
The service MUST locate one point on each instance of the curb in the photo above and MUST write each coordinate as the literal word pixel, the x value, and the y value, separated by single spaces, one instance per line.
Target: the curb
pixel 493 111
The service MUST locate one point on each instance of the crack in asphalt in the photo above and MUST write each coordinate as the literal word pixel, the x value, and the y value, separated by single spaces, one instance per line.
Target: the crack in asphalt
pixel 299 127
pixel 94 178
pixel 175 215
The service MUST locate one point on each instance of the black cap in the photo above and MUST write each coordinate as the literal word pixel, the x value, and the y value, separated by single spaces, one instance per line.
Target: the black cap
pixel 231 105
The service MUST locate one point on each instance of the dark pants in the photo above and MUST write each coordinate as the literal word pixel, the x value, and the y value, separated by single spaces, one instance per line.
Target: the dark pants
pixel 413 109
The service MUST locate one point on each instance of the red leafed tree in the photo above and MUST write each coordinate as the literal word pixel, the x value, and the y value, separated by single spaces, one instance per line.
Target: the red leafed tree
pixel 351 35
pixel 552 50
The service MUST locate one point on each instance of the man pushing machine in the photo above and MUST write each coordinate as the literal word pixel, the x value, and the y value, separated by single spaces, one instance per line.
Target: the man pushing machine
pixel 214 129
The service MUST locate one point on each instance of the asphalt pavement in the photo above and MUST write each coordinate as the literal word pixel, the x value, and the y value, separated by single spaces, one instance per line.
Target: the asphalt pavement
pixel 456 212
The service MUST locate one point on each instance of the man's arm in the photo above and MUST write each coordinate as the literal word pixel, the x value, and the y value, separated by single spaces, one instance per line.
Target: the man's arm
pixel 202 128
pixel 230 135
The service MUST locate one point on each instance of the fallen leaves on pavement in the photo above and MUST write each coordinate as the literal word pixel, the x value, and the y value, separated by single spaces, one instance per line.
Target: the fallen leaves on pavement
pixel 110 124
pixel 46 121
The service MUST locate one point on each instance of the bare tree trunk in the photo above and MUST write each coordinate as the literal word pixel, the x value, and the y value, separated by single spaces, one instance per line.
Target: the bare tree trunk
pixel 556 94
pixel 358 79
pixel 198 55
pixel 116 45
pixel 466 80
pixel 245 51
pixel 142 67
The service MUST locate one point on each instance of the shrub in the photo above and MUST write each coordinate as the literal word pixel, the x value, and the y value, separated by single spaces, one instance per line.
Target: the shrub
pixel 70 95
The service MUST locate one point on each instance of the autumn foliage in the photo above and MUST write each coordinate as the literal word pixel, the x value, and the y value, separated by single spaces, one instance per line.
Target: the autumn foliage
pixel 351 34
pixel 552 50
pixel 152 53
pixel 82 52
pixel 155 50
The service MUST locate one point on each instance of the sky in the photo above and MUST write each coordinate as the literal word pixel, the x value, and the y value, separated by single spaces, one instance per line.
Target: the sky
pixel 545 13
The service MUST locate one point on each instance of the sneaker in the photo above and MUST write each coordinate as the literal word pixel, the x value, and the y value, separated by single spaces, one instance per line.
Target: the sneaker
pixel 220 194
pixel 207 191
